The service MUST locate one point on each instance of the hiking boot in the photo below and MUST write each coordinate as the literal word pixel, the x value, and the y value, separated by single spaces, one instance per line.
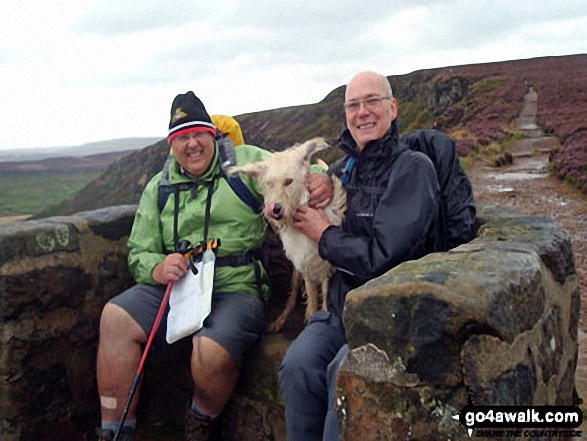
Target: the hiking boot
pixel 197 427
pixel 108 435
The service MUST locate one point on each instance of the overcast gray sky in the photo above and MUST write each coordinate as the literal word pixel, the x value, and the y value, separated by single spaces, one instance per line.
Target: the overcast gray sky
pixel 76 71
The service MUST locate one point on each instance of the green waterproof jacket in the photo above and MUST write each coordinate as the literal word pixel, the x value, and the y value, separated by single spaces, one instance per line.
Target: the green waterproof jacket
pixel 231 220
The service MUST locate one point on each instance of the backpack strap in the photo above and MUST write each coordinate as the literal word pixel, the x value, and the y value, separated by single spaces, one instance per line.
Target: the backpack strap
pixel 243 192
pixel 347 171
pixel 226 151
pixel 228 159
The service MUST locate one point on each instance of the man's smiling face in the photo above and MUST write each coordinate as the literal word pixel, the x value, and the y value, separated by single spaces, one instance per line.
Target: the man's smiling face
pixel 369 108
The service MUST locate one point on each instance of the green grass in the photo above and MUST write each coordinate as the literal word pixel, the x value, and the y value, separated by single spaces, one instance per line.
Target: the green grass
pixel 414 114
pixel 488 85
pixel 28 193
pixel 467 162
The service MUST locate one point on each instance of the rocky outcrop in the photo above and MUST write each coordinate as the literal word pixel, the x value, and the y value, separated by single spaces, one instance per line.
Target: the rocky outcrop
pixel 495 320
pixel 445 92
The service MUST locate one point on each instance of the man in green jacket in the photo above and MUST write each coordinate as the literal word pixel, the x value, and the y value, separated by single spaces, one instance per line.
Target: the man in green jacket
pixel 205 206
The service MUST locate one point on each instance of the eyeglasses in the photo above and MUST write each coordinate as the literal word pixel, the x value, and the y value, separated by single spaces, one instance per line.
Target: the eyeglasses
pixel 371 103
pixel 200 135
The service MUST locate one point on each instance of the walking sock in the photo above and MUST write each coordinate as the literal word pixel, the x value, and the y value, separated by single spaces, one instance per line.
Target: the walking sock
pixel 194 407
pixel 113 425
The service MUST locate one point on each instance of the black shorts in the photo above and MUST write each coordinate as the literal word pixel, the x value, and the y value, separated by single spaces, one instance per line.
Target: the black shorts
pixel 236 323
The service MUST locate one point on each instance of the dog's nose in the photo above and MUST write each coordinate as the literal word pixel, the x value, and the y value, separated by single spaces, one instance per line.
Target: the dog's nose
pixel 277 208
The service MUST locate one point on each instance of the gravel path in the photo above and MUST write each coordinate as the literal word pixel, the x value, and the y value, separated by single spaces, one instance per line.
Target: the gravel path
pixel 525 186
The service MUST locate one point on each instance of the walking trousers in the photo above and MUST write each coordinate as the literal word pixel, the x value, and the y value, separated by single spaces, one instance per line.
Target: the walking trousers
pixel 306 379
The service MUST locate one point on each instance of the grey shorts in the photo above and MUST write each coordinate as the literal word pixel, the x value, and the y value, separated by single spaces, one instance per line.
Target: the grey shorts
pixel 236 323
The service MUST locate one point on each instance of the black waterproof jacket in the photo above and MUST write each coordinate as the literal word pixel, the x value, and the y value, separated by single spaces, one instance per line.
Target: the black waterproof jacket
pixel 392 216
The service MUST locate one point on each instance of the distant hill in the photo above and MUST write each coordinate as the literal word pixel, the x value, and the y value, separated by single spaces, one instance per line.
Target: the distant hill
pixel 91 148
pixel 65 164
pixel 475 104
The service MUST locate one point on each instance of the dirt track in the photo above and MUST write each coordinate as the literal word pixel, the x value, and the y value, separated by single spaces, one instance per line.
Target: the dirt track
pixel 525 186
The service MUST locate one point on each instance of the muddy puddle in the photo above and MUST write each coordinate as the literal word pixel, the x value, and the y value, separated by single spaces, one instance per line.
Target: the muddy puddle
pixel 518 176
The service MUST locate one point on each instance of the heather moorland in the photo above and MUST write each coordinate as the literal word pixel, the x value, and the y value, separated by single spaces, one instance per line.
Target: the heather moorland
pixel 561 84
pixel 476 104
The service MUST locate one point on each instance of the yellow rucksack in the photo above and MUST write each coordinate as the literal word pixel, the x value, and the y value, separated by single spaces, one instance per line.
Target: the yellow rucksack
pixel 229 127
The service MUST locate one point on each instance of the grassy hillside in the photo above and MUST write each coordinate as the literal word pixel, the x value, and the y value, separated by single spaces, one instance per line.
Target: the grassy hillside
pixel 475 104
pixel 28 187
pixel 28 193
pixel 121 183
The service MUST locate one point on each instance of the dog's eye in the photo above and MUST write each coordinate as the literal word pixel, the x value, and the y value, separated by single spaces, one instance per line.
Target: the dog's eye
pixel 287 182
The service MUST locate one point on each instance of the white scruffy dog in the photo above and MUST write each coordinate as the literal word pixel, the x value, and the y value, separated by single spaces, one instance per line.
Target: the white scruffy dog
pixel 283 181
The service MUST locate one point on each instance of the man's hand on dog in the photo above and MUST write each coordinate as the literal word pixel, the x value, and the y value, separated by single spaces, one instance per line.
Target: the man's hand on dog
pixel 320 189
pixel 310 222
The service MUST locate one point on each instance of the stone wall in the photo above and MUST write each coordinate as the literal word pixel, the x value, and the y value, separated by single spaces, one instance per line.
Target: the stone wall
pixel 495 320
pixel 55 277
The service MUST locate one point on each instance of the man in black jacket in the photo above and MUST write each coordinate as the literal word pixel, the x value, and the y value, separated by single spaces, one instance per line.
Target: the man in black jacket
pixel 393 207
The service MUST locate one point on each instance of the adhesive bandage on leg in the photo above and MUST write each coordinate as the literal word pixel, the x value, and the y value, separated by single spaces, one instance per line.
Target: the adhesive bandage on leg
pixel 108 402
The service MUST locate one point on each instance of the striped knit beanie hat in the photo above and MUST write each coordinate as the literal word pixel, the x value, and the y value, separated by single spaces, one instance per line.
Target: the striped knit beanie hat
pixel 188 114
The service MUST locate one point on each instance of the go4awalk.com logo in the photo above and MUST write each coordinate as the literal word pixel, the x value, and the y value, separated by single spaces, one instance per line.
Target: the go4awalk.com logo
pixel 521 421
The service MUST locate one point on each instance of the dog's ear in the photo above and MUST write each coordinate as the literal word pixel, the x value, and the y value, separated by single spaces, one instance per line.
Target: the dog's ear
pixel 312 146
pixel 254 169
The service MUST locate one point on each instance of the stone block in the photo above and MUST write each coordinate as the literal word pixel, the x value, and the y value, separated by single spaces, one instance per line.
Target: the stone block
pixel 494 321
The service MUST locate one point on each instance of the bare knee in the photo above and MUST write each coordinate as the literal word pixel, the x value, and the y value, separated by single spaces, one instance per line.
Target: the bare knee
pixel 117 323
pixel 214 374
pixel 210 357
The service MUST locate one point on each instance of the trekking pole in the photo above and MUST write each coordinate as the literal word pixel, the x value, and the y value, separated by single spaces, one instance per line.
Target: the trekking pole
pixel 137 376
pixel 184 246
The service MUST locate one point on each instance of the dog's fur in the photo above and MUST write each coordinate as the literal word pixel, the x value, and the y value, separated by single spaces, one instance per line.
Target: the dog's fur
pixel 283 182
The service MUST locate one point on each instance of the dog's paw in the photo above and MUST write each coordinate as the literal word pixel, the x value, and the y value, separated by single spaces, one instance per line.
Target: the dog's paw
pixel 277 326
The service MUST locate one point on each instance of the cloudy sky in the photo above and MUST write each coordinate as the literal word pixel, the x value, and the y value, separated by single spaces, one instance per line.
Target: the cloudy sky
pixel 77 71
